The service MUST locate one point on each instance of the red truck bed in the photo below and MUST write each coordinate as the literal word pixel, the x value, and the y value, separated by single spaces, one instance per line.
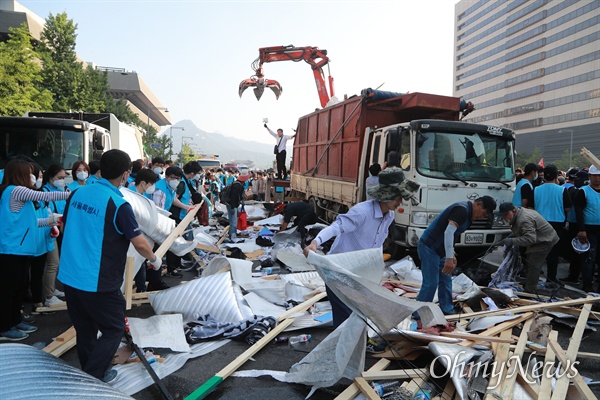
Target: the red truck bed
pixel 329 142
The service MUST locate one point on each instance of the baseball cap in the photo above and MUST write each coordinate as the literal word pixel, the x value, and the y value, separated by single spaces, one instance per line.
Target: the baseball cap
pixel 505 208
pixel 572 173
pixel 583 174
pixel 488 203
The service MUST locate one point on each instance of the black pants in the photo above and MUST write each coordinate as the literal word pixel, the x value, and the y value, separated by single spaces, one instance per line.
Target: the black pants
pixel 12 289
pixel 552 259
pixel 339 309
pixel 302 221
pixel 37 266
pixel 92 312
pixel 281 170
pixel 575 259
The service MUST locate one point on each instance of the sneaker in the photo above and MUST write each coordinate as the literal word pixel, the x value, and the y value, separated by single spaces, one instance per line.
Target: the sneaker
pixel 13 335
pixel 373 347
pixel 53 301
pixel 174 274
pixel 58 293
pixel 110 375
pixel 28 319
pixel 228 241
pixel 25 328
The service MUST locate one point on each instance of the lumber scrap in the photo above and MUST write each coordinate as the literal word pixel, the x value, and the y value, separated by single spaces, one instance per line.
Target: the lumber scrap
pixel 178 231
pixel 352 390
pixel 449 390
pixel 512 367
pixel 588 155
pixel 505 326
pixel 208 249
pixel 476 338
pixel 229 369
pixel 562 383
pixel 129 267
pixel 395 374
pixel 501 357
pixel 62 343
pixel 223 236
pixel 546 385
pixel 366 389
pixel 532 307
pixel 580 384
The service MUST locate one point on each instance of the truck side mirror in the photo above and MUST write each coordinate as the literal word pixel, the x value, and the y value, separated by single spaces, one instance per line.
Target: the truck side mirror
pixel 97 140
pixel 393 139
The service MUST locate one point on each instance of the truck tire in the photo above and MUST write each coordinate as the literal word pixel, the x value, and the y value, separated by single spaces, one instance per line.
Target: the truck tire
pixel 313 202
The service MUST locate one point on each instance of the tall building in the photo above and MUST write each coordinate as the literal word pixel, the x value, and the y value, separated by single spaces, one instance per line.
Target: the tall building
pixel 532 66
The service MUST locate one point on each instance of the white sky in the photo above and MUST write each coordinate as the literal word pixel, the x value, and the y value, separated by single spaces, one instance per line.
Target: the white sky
pixel 193 54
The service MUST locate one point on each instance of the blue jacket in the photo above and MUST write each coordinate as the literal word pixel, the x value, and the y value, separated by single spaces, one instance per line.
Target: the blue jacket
pixel 185 197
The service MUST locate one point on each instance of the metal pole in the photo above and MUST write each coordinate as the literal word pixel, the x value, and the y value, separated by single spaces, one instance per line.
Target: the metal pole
pixel 571 151
pixel 171 143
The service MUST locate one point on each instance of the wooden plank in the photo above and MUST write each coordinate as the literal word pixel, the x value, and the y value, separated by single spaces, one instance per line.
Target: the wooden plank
pixel 533 307
pixel 60 340
pixel 501 356
pixel 567 310
pixel 395 374
pixel 178 231
pixel 588 155
pixel 494 330
pixel 366 389
pixel 213 382
pixel 223 236
pixel 508 385
pixel 449 390
pixel 352 390
pixel 129 267
pixel 580 384
pixel 531 388
pixel 476 338
pixel 562 383
pixel 207 248
pixel 546 385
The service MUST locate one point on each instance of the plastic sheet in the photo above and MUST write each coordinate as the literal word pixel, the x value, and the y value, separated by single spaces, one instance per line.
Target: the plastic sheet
pixel 375 95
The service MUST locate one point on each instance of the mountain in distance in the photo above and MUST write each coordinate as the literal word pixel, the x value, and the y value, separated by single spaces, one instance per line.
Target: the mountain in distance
pixel 228 148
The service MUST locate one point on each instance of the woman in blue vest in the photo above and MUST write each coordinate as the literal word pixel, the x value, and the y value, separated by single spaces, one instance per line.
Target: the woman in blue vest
pixel 95 174
pixel 54 181
pixel 80 172
pixel 18 242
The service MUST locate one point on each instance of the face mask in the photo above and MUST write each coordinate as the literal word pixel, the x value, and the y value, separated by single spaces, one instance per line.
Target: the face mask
pixel 158 170
pixel 174 184
pixel 59 184
pixel 535 177
pixel 38 183
pixel 197 177
pixel 82 176
pixel 32 179
pixel 150 189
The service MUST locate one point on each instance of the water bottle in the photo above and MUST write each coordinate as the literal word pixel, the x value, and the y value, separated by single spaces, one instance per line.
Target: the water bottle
pixel 382 388
pixel 271 270
pixel 299 339
pixel 424 393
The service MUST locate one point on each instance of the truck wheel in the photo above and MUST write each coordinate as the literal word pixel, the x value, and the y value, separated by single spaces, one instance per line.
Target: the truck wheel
pixel 313 202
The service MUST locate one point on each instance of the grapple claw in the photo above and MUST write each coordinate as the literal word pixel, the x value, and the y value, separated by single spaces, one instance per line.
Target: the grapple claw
pixel 259 83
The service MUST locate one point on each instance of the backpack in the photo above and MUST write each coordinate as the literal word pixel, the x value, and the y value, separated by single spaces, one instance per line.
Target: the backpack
pixel 225 195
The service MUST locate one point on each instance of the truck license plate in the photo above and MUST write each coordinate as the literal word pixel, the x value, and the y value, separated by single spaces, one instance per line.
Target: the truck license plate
pixel 473 238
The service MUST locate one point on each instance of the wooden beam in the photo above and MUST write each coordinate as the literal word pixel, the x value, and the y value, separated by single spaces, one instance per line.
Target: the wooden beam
pixel 62 343
pixel 476 338
pixel 494 330
pixel 366 389
pixel 562 383
pixel 129 267
pixel 580 384
pixel 395 374
pixel 501 356
pixel 223 236
pixel 178 231
pixel 352 390
pixel 588 155
pixel 508 385
pixel 533 307
pixel 546 385
pixel 449 390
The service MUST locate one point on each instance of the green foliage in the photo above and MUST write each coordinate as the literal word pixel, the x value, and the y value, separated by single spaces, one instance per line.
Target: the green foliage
pixel 164 142
pixel 524 158
pixel 562 164
pixel 20 76
pixel 186 154
pixel 119 108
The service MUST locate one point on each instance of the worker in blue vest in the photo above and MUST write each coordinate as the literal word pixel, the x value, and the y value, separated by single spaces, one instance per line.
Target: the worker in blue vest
pixel 587 209
pixel 553 202
pixel 19 242
pixel 575 259
pixel 95 173
pixel 99 226
pixel 436 247
pixel 165 196
pixel 523 196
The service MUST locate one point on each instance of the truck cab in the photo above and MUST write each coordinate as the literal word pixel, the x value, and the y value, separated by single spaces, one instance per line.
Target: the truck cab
pixel 451 161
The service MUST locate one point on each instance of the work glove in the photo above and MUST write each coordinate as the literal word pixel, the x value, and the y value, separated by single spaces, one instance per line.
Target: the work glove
pixel 54 219
pixel 265 125
pixel 156 264
pixel 508 242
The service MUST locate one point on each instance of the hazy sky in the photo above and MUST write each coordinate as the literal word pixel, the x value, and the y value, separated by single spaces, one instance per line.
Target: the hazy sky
pixel 193 54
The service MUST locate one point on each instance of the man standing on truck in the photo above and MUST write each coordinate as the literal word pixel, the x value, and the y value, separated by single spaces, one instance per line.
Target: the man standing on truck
pixel 436 247
pixel 279 151
pixel 364 226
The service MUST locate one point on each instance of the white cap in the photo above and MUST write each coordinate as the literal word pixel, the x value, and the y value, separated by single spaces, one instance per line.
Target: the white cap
pixel 594 170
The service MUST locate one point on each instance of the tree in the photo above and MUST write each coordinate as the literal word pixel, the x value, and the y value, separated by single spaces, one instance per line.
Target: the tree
pixel 576 161
pixel 62 74
pixel 157 146
pixel 119 108
pixel 186 154
pixel 20 76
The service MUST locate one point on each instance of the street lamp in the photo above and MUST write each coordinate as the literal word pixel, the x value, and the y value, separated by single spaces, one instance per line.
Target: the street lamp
pixel 171 138
pixel 570 131
pixel 148 114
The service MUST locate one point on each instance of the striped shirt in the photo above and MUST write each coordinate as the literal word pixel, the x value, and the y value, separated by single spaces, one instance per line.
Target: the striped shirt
pixel 20 195
pixel 364 226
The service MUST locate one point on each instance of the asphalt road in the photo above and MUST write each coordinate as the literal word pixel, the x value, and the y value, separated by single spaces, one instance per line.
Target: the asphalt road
pixel 273 357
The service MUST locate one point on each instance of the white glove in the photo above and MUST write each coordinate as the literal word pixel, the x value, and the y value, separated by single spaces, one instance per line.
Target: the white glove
pixel 53 219
pixel 156 264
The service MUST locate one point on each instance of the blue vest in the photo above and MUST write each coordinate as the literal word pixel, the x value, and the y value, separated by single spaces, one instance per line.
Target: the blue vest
pixel 45 243
pixel 548 201
pixel 591 212
pixel 571 216
pixel 19 236
pixel 57 206
pixel 433 237
pixel 74 186
pixel 91 180
pixel 185 197
pixel 164 187
pixel 517 199
pixel 94 251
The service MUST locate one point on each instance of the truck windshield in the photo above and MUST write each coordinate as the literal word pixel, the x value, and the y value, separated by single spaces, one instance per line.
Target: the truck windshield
pixel 45 146
pixel 458 156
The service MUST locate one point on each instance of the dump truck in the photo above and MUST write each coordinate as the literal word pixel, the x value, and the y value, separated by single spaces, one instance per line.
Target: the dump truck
pixel 449 159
